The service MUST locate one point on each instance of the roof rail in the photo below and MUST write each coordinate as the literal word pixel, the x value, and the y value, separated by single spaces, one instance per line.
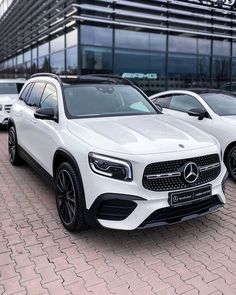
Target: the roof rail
pixel 51 75
pixel 111 78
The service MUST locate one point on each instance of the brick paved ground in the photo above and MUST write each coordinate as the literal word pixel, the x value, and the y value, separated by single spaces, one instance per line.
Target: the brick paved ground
pixel 37 256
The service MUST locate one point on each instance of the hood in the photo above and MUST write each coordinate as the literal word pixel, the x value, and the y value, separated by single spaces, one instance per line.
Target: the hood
pixel 148 134
pixel 8 98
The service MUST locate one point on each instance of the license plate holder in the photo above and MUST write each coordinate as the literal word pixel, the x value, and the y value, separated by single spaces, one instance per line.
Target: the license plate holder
pixel 189 196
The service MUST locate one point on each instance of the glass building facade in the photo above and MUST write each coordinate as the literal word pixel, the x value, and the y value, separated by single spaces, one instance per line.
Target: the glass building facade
pixel 157 44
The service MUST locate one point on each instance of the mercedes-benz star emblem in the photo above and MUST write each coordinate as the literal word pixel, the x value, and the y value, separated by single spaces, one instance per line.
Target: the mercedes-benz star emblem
pixel 191 172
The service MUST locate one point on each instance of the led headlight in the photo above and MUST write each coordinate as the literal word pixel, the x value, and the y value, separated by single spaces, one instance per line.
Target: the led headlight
pixel 110 167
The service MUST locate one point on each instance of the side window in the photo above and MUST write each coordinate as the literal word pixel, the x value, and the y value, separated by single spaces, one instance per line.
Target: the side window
pixel 184 103
pixel 36 94
pixel 25 92
pixel 49 98
pixel 19 86
pixel 163 101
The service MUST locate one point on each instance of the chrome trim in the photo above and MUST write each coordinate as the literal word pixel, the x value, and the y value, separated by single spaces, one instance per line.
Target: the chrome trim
pixel 209 167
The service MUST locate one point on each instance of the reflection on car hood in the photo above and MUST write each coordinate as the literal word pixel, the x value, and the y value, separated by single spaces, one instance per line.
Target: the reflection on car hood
pixel 229 119
pixel 8 98
pixel 145 134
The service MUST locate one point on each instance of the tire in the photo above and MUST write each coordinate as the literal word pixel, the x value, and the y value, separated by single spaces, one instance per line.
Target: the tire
pixel 70 198
pixel 231 162
pixel 13 152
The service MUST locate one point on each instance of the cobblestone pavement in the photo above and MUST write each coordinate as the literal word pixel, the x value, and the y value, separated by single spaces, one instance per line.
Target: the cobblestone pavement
pixel 37 256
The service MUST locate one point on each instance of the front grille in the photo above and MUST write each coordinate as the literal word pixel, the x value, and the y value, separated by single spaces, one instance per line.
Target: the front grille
pixel 7 108
pixel 176 182
pixel 171 215
pixel 115 209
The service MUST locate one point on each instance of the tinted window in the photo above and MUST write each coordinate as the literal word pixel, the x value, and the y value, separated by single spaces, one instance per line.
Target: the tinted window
pixel 105 100
pixel 25 92
pixel 163 101
pixel 49 98
pixel 224 104
pixel 36 94
pixel 184 103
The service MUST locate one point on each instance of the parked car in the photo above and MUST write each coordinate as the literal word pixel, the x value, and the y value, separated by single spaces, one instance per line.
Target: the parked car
pixel 213 111
pixel 9 90
pixel 114 158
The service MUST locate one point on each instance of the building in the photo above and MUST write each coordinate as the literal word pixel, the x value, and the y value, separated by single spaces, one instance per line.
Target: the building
pixel 159 44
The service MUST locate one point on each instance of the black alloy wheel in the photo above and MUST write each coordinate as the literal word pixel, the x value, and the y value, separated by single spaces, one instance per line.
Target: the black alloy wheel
pixel 13 147
pixel 70 198
pixel 231 162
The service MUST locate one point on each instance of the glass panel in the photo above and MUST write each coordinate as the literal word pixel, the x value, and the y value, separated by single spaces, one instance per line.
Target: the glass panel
pixel 72 38
pixel 221 71
pixel 49 98
pixel 27 55
pixel 57 44
pixel 72 61
pixel 35 95
pixel 43 49
pixel 204 46
pixel 203 71
pixel 19 59
pixel 146 69
pixel 182 44
pixel 34 53
pixel 58 62
pixel 43 64
pixel 140 40
pixel 105 100
pixel 184 103
pixel 234 49
pixel 234 75
pixel 221 48
pixel 183 76
pixel 96 60
pixel 8 88
pixel 98 36
pixel 34 66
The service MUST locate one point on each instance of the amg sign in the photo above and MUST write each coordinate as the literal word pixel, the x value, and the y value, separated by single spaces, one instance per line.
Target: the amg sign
pixel 219 2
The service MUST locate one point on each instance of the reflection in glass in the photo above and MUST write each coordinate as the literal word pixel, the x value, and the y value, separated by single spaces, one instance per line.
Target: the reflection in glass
pixel 58 63
pixel 57 44
pixel 203 71
pixel 96 60
pixel 221 71
pixel 72 38
pixel 146 69
pixel 43 64
pixel 233 75
pixel 204 46
pixel 71 60
pixel 43 49
pixel 182 44
pixel 221 48
pixel 98 36
pixel 182 71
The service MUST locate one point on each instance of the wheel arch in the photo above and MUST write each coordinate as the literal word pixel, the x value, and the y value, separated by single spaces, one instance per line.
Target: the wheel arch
pixel 11 123
pixel 228 148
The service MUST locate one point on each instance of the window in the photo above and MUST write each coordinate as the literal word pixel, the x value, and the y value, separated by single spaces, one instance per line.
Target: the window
pixel 71 60
pixel 221 71
pixel 10 88
pixel 49 98
pixel 36 94
pixel 184 103
pixel 221 48
pixel 25 92
pixel 72 38
pixel 57 44
pixel 182 44
pixel 58 62
pixel 98 36
pixel 163 101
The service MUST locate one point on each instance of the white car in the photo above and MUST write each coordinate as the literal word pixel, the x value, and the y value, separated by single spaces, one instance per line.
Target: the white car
pixel 115 160
pixel 9 91
pixel 213 111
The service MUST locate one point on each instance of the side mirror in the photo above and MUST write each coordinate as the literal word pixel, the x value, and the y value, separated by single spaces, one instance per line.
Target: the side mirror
pixel 200 113
pixel 159 107
pixel 45 114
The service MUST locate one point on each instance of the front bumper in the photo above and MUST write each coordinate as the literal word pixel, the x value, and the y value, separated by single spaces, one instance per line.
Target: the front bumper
pixel 4 118
pixel 128 212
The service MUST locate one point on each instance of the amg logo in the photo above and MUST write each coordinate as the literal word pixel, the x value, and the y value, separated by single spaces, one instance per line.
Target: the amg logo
pixel 219 2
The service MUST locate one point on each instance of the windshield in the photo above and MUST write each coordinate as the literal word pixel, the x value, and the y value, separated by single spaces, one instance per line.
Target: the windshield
pixel 221 103
pixel 105 100
pixel 10 88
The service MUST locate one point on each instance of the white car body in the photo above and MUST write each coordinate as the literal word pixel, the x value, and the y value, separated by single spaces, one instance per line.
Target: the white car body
pixel 141 140
pixel 221 127
pixel 7 100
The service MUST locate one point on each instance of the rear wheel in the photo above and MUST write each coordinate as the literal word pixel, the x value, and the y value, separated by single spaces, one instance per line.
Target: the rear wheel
pixel 231 162
pixel 70 198
pixel 14 157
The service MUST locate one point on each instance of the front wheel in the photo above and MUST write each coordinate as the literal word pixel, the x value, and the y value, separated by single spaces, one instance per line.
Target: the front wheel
pixel 231 162
pixel 14 157
pixel 70 198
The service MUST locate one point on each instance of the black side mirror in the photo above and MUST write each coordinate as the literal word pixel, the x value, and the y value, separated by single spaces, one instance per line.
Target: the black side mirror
pixel 45 114
pixel 200 113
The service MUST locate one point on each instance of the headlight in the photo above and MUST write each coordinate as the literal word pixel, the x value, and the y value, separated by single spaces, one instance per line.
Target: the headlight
pixel 110 167
pixel 0 107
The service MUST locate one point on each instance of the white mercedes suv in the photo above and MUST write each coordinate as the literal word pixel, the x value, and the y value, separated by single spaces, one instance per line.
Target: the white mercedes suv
pixel 9 90
pixel 114 158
